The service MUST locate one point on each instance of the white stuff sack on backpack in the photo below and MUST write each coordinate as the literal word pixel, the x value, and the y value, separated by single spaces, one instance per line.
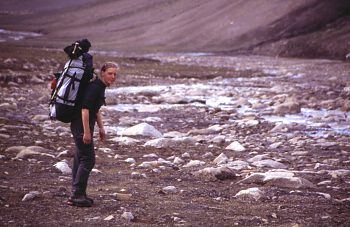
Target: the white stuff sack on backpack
pixel 72 74
pixel 65 94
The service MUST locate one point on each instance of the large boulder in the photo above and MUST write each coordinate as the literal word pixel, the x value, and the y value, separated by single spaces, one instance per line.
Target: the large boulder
pixel 142 129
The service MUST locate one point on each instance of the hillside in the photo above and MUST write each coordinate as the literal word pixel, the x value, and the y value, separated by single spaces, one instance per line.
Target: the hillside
pixel 297 28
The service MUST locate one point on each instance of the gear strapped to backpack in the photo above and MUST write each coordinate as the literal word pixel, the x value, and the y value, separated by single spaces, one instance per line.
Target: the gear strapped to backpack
pixel 70 84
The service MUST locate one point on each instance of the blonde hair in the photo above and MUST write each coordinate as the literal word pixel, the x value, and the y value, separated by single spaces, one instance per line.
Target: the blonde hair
pixel 108 65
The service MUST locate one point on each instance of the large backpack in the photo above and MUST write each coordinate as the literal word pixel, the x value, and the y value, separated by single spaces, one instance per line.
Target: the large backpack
pixel 64 98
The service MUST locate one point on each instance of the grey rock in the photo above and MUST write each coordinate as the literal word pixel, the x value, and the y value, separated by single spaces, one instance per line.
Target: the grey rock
pixel 194 163
pixel 169 189
pixel 269 163
pixel 278 178
pixel 249 194
pixel 63 167
pixel 221 159
pixel 142 129
pixel 235 146
pixel 128 216
pixel 170 142
pixel 212 173
pixel 30 196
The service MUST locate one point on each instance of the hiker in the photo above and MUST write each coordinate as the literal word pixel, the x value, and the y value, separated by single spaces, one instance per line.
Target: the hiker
pixel 82 129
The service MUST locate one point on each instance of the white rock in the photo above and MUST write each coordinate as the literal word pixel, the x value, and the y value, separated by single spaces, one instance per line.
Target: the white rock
pixel 235 146
pixel 123 140
pixel 137 175
pixel 258 158
pixel 269 163
pixel 186 155
pixel 325 195
pixel 207 131
pixel 128 216
pixel 218 139
pixel 250 193
pixel 236 165
pixel 4 136
pixel 279 178
pixel 31 195
pixel 275 145
pixel 41 117
pixel 152 119
pixel 150 164
pixel 221 173
pixel 194 163
pixel 339 173
pixel 174 134
pixel 142 129
pixel 65 153
pixel 169 189
pixel 221 159
pixel 169 142
pixel 153 155
pixel 37 80
pixel 8 106
pixel 105 150
pixel 63 167
pixel 14 149
pixel 27 153
pixel 38 149
pixel 94 170
pixel 178 161
pixel 130 160
pixel 288 107
pixel 108 218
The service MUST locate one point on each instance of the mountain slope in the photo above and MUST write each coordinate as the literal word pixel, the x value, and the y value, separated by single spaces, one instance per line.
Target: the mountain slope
pixel 277 27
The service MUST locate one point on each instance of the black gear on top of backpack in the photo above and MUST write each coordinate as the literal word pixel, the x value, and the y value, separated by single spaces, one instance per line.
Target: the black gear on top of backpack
pixel 70 87
pixel 77 48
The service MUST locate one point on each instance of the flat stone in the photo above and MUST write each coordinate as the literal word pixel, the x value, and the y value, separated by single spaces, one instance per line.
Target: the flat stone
pixel 269 163
pixel 278 178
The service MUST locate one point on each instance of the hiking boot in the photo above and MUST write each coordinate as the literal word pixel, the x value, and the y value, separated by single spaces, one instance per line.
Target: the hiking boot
pixel 80 201
pixel 90 199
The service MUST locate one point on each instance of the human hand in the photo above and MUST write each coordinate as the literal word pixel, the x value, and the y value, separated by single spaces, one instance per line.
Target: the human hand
pixel 87 138
pixel 102 134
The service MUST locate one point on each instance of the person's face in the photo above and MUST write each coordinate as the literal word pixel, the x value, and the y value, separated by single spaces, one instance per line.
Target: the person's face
pixel 109 76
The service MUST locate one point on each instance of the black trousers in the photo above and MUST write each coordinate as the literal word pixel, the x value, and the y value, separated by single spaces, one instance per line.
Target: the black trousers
pixel 84 157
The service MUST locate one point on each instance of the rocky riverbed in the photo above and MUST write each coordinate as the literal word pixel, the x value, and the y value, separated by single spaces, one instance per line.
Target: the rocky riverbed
pixel 193 140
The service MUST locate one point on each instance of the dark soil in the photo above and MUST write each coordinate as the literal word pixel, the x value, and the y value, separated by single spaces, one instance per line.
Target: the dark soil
pixel 201 202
